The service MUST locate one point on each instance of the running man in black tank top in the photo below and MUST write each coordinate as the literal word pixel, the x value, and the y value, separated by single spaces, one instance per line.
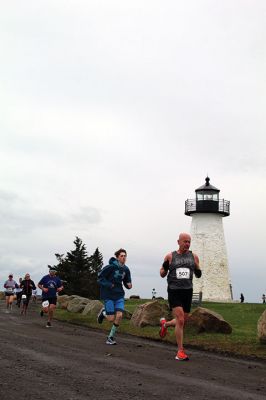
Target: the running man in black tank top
pixel 179 267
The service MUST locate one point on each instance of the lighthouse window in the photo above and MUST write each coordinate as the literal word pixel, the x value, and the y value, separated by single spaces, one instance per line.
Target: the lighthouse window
pixel 211 197
pixel 200 196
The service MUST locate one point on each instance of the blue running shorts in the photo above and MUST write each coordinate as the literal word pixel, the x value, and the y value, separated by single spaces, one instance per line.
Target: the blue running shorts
pixel 111 306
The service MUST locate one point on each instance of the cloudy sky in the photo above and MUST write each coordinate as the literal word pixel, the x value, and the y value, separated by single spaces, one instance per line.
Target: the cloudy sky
pixel 113 113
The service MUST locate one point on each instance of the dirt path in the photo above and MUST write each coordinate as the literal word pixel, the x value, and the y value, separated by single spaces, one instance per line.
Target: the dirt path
pixel 68 362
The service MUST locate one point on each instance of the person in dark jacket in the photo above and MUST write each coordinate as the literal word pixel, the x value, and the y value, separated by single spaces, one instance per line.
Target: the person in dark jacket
pixel 19 293
pixel 111 280
pixel 27 285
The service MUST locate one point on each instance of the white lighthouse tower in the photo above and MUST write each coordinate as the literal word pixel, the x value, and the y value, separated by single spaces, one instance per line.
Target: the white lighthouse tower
pixel 208 242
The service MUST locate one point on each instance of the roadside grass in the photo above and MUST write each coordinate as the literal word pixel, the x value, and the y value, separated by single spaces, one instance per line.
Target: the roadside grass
pixel 242 341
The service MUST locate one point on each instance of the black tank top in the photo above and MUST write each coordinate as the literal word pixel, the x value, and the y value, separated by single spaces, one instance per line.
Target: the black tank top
pixel 181 270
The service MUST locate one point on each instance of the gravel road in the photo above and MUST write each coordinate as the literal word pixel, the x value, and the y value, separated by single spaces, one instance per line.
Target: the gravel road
pixel 68 362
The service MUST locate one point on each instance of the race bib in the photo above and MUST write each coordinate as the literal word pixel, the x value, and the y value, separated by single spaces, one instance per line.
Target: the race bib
pixel 45 303
pixel 183 273
pixel 9 290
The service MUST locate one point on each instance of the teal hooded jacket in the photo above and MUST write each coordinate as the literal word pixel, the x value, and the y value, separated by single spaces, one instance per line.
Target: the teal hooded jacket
pixel 111 280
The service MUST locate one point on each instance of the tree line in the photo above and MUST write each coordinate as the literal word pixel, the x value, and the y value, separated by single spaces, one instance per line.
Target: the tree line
pixel 79 271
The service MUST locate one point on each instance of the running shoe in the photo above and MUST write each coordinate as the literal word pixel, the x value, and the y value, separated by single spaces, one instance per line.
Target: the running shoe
pixel 110 340
pixel 100 316
pixel 48 325
pixel 181 356
pixel 163 329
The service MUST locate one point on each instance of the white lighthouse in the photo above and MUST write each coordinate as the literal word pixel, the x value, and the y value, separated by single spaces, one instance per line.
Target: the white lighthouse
pixel 208 242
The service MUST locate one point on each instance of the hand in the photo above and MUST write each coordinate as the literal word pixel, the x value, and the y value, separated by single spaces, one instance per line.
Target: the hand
pixel 45 290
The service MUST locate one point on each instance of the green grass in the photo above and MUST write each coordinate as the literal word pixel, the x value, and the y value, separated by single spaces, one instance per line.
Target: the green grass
pixel 242 342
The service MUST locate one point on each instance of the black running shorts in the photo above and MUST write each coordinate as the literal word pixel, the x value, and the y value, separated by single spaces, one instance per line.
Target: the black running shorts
pixel 180 298
pixel 27 300
pixel 52 300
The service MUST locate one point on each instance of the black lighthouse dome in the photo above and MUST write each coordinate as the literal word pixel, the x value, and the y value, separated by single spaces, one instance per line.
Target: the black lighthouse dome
pixel 207 201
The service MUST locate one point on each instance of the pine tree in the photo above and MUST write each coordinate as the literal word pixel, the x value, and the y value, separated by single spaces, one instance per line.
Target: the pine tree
pixel 79 271
pixel 96 264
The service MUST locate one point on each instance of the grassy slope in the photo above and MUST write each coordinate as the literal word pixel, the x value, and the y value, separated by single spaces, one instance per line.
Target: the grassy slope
pixel 242 317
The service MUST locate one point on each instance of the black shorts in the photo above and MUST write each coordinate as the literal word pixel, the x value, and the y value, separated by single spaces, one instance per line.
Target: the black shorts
pixel 52 300
pixel 27 300
pixel 180 298
pixel 8 294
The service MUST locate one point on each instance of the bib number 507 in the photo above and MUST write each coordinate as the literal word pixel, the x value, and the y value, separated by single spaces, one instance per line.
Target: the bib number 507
pixel 183 273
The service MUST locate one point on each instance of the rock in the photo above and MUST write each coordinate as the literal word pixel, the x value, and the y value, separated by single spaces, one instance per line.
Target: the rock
pixel 134 296
pixel 63 306
pixel 77 304
pixel 62 298
pixel 150 314
pixel 62 301
pixel 205 320
pixel 92 307
pixel 262 328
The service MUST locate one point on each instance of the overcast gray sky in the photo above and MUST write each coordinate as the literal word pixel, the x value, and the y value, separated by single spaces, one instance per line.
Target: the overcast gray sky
pixel 113 113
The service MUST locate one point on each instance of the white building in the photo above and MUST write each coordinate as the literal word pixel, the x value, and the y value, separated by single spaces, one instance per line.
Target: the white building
pixel 208 242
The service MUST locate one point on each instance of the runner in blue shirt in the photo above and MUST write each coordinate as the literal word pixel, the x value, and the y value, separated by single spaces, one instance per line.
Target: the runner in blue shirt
pixel 111 280
pixel 50 285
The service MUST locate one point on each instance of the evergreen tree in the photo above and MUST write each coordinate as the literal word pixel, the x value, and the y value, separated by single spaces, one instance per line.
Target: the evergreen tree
pixel 79 271
pixel 96 261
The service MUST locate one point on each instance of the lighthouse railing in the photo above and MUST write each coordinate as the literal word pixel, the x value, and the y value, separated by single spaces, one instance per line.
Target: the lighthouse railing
pixel 224 206
pixel 192 206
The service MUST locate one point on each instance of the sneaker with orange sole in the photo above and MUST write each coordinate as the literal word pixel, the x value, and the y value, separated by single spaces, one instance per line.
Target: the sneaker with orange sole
pixel 181 356
pixel 163 328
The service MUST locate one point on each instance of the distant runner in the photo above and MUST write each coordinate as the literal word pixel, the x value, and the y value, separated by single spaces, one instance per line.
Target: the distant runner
pixel 27 286
pixel 34 295
pixel 111 280
pixel 10 285
pixel 19 293
pixel 50 285
pixel 179 267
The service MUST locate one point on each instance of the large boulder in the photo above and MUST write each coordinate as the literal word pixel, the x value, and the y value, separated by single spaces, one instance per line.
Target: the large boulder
pixel 77 304
pixel 92 307
pixel 150 314
pixel 204 320
pixel 262 328
pixel 62 301
pixel 62 298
